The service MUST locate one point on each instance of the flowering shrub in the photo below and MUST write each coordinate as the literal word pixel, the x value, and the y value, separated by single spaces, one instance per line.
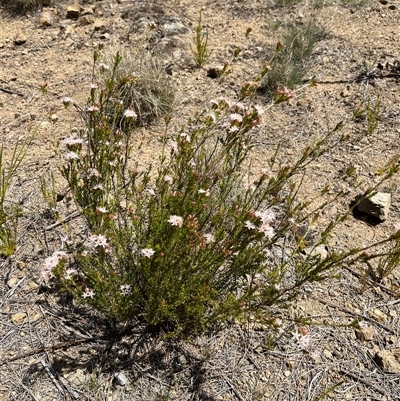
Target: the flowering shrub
pixel 186 243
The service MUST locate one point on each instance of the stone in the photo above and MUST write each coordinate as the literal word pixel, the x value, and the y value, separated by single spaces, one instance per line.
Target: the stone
pixel 120 379
pixel 365 333
pixel 20 39
pixel 87 10
pixel 13 281
pixel 31 286
pixel 73 11
pixel 18 317
pixel 376 206
pixel 85 20
pixel 319 250
pixel 46 19
pixel 387 361
pixel 174 28
pixel 378 315
pixel 214 72
pixel 100 25
pixel 77 378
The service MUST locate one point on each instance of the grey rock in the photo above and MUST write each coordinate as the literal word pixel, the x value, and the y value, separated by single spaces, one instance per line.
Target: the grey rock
pixel 77 378
pixel 319 250
pixel 376 206
pixel 174 28
pixel 120 379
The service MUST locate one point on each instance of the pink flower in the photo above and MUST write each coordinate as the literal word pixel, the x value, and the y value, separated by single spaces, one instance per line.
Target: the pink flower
pixel 129 113
pixel 176 220
pixel 235 117
pixel 66 101
pixel 98 241
pixel 147 252
pixel 51 262
pixel 209 238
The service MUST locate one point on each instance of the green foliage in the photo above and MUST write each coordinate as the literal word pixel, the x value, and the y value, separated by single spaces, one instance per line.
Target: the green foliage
pixel 192 241
pixel 9 215
pixel 199 48
pixel 289 63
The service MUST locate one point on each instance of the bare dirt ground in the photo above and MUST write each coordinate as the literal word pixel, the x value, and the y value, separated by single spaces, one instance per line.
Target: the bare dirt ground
pixel 50 350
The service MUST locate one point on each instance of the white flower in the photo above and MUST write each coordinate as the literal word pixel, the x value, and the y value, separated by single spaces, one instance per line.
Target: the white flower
pixel 174 146
pixel 204 191
pixel 69 273
pixel 129 113
pixel 101 210
pixel 236 117
pixel 176 220
pixel 103 67
pixel 88 293
pixel 98 241
pixel 51 262
pixel 147 252
pixel 209 238
pixel 304 342
pixel 66 101
pixel 93 85
pixel 259 109
pixel 185 136
pixel 72 156
pixel 267 216
pixel 71 141
pixel 92 109
pixel 151 192
pixel 267 230
pixel 248 224
pixel 126 289
pixel 92 172
pixel 168 179
pixel 99 187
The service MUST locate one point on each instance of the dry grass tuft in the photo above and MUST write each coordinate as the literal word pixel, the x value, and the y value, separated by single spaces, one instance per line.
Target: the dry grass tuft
pixel 150 92
pixel 23 5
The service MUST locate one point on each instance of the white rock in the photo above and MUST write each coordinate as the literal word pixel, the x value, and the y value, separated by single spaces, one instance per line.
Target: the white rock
pixel 376 206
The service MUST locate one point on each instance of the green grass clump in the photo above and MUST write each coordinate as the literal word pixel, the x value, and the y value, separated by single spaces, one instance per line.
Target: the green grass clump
pixel 288 65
